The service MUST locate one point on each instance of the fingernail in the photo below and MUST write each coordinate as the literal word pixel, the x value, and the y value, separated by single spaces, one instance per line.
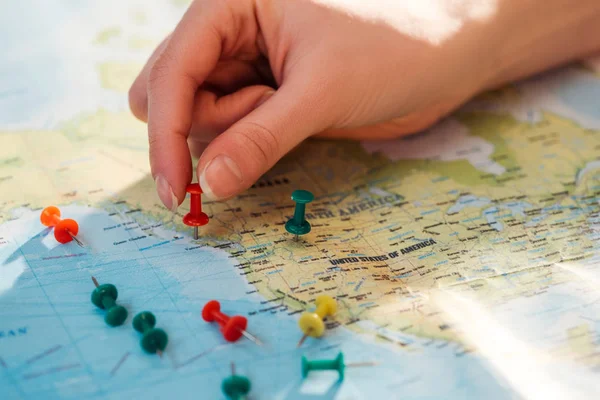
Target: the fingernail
pixel 221 178
pixel 165 193
pixel 266 96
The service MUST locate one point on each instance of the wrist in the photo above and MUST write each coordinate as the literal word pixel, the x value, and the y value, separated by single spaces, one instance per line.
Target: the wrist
pixel 529 36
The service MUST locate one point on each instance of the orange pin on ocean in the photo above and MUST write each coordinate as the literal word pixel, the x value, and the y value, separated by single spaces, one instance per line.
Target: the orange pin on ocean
pixel 65 230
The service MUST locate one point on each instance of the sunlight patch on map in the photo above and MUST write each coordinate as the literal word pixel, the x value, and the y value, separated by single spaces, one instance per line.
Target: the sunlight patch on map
pixel 432 21
pixel 586 276
pixel 447 141
pixel 48 241
pixel 529 370
pixel 319 383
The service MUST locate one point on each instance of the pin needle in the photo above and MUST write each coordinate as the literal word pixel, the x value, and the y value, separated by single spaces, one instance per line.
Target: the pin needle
pixel 363 364
pixel 251 337
pixel 304 337
pixel 79 242
pixel 95 281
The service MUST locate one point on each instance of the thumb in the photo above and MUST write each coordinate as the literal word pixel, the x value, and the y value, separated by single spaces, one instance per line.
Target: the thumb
pixel 249 148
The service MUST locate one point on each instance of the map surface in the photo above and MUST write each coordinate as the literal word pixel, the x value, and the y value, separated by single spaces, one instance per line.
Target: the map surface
pixel 464 259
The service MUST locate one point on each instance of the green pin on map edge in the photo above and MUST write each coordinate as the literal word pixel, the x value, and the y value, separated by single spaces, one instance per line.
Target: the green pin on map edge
pixel 105 297
pixel 336 364
pixel 298 225
pixel 235 387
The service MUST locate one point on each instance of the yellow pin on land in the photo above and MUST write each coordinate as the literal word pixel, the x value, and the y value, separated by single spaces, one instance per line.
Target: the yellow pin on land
pixel 311 323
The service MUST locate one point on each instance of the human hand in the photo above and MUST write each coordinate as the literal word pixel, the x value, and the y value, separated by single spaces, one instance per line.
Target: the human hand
pixel 340 68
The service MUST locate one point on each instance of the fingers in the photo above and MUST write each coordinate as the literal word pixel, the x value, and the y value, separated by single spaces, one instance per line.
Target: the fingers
pixel 233 75
pixel 239 156
pixel 138 99
pixel 227 77
pixel 187 59
pixel 214 114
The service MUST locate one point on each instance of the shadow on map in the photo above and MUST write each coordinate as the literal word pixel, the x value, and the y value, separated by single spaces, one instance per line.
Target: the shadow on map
pixel 12 272
pixel 15 255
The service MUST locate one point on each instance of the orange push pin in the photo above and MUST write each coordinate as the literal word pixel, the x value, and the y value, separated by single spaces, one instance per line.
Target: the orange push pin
pixel 65 230
pixel 195 217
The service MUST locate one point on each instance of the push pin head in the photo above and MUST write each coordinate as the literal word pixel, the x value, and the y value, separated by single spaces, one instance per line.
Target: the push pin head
pixel 65 230
pixel 235 387
pixel 154 340
pixel 104 297
pixel 311 323
pixel 298 225
pixel 336 364
pixel 195 217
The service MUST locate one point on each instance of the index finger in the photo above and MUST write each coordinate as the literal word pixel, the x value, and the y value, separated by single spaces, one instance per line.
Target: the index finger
pixel 189 57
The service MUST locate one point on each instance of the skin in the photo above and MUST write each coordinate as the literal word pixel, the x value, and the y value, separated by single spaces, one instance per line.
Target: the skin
pixel 242 82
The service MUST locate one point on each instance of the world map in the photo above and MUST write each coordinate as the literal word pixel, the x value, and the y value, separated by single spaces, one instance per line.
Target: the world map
pixel 464 260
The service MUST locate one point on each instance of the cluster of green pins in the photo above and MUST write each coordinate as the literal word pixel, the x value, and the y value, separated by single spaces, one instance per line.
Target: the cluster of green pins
pixel 298 225
pixel 104 296
pixel 235 387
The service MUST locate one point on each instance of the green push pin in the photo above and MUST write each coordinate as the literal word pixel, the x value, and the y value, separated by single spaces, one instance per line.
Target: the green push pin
pixel 154 340
pixel 335 364
pixel 105 297
pixel 298 225
pixel 236 386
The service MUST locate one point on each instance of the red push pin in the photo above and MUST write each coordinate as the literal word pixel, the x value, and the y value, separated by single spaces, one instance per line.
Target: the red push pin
pixel 65 230
pixel 195 217
pixel 232 327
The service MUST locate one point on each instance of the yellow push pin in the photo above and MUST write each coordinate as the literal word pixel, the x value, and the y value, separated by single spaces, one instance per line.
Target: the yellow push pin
pixel 311 323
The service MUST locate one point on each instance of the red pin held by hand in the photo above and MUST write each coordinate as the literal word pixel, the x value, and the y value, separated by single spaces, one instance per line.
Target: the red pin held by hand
pixel 65 230
pixel 195 217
